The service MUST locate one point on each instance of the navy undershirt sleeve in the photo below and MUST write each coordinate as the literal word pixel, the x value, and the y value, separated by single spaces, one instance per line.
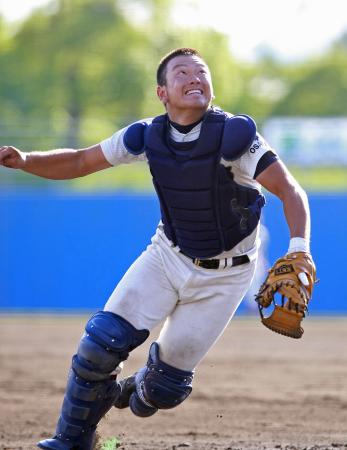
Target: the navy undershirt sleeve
pixel 264 162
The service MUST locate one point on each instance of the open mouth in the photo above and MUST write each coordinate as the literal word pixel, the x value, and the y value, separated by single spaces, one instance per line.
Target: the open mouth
pixel 193 91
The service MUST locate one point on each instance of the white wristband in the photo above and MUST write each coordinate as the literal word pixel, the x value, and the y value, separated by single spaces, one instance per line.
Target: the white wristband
pixel 298 244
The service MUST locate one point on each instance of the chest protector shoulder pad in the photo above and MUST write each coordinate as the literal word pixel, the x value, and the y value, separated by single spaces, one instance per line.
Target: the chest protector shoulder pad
pixel 238 135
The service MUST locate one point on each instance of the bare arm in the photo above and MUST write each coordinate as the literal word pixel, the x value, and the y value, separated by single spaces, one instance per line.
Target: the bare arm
pixel 61 164
pixel 278 180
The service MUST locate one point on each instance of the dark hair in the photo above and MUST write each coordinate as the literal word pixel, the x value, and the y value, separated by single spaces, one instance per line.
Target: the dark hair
pixel 161 71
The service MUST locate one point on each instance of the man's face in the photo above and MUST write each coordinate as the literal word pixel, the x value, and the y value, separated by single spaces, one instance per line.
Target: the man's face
pixel 188 85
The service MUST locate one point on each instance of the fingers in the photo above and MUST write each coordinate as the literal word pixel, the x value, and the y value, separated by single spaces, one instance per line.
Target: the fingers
pixel 5 152
pixel 10 157
pixel 303 278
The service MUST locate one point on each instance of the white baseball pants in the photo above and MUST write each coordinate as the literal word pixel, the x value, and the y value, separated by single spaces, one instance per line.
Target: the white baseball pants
pixel 195 303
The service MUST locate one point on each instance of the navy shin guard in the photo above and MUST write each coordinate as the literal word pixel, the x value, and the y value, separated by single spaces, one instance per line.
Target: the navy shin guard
pixel 159 386
pixel 92 388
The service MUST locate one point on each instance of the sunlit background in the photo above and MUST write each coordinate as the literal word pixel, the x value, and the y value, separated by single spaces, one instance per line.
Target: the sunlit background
pixel 72 72
pixel 292 30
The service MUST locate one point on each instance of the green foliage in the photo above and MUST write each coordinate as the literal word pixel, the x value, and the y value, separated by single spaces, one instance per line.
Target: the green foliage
pixel 319 91
pixel 77 70
pixel 88 63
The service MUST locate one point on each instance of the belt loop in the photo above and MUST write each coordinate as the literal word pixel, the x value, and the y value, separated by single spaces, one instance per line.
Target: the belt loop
pixel 225 263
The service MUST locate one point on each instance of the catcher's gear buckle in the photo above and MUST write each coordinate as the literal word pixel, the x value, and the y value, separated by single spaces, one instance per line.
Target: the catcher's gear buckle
pixel 207 263
pixel 197 262
pixel 245 213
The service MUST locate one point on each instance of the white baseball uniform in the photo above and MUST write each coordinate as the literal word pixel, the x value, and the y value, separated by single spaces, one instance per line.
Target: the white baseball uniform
pixel 165 285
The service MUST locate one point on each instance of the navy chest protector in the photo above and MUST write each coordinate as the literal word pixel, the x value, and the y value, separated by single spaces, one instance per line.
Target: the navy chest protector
pixel 203 210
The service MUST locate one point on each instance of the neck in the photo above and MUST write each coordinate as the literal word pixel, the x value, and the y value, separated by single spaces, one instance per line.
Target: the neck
pixel 186 117
pixel 184 128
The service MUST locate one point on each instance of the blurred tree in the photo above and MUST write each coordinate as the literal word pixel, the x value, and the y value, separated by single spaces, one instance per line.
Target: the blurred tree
pixel 74 64
pixel 341 43
pixel 322 92
pixel 317 87
pixel 263 85
pixel 77 70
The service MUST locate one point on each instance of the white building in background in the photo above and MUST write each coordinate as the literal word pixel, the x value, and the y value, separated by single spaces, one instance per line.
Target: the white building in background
pixel 308 141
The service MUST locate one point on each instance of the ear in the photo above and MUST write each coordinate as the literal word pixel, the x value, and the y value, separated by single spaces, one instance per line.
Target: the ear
pixel 162 94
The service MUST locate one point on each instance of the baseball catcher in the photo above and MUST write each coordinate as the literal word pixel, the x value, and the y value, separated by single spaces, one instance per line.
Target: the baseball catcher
pixel 208 168
pixel 292 278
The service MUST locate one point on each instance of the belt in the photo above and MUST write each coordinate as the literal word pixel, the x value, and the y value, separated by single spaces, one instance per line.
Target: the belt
pixel 217 263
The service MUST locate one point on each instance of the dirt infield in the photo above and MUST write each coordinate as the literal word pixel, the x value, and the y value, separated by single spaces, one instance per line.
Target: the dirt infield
pixel 254 390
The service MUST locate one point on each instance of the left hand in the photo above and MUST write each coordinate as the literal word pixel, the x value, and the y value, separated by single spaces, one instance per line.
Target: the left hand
pixel 293 277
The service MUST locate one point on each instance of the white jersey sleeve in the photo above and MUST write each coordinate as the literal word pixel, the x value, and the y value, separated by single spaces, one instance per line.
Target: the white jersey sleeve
pixel 115 151
pixel 245 167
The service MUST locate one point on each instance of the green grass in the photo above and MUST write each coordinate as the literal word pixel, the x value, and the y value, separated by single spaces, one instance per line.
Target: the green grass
pixel 110 444
pixel 322 179
pixel 137 178
pixel 134 177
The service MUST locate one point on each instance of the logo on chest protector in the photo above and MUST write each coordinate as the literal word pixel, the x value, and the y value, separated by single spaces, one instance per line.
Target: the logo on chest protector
pixel 285 268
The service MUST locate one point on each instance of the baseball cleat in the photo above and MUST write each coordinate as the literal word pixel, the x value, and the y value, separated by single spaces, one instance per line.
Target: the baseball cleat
pixel 57 444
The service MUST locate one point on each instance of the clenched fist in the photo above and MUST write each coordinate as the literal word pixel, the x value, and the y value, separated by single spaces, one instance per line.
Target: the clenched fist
pixel 12 157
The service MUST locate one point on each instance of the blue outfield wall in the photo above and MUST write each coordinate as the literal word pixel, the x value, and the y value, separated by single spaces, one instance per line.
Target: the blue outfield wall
pixel 62 251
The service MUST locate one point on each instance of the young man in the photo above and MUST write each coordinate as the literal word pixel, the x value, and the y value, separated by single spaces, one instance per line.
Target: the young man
pixel 208 168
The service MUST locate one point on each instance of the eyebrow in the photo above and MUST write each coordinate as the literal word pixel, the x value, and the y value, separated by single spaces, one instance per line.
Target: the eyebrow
pixel 186 65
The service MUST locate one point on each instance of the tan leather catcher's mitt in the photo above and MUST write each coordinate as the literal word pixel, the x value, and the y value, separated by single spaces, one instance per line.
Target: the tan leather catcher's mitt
pixel 293 277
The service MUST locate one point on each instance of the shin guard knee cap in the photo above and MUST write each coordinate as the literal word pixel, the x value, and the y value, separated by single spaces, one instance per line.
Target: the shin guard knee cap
pixel 107 341
pixel 159 385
